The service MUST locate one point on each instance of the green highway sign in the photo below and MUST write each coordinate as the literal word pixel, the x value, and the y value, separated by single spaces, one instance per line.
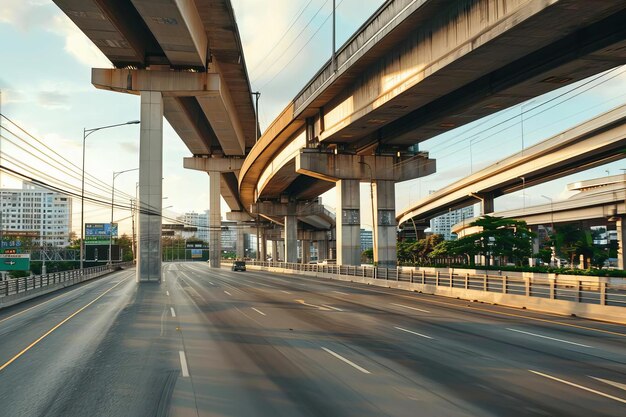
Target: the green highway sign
pixel 15 262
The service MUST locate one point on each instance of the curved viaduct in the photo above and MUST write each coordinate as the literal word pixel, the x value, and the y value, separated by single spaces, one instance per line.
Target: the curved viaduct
pixel 414 70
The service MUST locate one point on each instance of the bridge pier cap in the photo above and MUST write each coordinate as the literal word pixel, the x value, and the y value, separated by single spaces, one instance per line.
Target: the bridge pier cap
pixel 347 171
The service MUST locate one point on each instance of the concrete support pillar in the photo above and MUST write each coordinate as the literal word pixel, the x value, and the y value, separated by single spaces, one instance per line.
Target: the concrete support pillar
pixel 306 251
pixel 385 228
pixel 150 187
pixel 263 245
pixel 281 250
pixel 322 250
pixel 274 250
pixel 621 241
pixel 291 237
pixel 215 220
pixel 348 223
pixel 241 251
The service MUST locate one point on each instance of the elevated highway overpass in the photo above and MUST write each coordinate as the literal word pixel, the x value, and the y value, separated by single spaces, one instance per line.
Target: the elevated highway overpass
pixel 592 143
pixel 599 201
pixel 185 59
pixel 414 70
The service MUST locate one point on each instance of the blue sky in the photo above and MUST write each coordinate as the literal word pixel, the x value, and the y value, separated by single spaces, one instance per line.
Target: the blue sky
pixel 45 83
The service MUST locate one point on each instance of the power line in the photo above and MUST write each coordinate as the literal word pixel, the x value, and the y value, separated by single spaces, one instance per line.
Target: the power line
pixel 266 57
pixel 287 48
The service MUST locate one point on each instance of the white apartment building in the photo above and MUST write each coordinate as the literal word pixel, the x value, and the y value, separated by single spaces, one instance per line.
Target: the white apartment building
pixel 200 220
pixel 44 214
pixel 442 225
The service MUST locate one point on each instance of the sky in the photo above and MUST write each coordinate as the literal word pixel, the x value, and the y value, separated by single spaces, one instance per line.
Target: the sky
pixel 45 71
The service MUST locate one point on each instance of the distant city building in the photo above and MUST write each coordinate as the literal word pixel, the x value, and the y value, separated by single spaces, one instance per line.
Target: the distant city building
pixel 200 221
pixel 229 236
pixel 366 240
pixel 443 224
pixel 35 211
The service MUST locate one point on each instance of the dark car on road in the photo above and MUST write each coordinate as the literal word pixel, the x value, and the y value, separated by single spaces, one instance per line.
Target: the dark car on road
pixel 238 266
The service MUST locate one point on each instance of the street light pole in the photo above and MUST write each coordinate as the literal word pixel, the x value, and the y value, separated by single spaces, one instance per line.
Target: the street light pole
pixel 553 246
pixel 115 175
pixel 87 132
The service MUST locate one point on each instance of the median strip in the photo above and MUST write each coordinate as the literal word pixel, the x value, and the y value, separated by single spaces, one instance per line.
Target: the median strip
pixel 621 400
pixel 412 332
pixel 547 337
pixel 183 363
pixel 411 308
pixel 348 361
pixel 259 311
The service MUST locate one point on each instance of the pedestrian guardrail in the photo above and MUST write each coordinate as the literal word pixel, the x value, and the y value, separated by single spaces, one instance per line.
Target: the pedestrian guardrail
pixel 596 291
pixel 24 284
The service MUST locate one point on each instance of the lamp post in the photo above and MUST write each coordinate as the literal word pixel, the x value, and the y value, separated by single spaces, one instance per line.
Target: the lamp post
pixel 87 132
pixel 523 193
pixel 552 228
pixel 256 94
pixel 115 175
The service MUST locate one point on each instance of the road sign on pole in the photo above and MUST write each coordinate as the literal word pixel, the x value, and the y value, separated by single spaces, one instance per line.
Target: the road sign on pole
pixel 14 262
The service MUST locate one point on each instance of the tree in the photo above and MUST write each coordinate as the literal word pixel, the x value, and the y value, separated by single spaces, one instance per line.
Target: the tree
pixel 126 246
pixel 498 237
pixel 572 241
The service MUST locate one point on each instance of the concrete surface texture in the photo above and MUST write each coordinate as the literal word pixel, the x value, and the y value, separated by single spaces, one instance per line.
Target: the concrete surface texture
pixel 211 342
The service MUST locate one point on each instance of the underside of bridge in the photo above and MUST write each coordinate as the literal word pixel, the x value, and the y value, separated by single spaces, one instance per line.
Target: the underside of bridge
pixel 185 60
pixel 412 71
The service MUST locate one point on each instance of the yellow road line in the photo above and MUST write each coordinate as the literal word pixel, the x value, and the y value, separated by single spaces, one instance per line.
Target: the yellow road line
pixel 26 349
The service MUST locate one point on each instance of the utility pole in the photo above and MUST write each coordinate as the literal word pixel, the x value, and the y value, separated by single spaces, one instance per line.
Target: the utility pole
pixel 133 205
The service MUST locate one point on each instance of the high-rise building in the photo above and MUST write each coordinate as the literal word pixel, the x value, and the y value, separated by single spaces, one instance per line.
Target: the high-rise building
pixel 442 225
pixel 41 213
pixel 366 240
pixel 200 221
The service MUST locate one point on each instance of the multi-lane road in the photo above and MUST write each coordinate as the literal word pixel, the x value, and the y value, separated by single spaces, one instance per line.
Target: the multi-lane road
pixel 210 342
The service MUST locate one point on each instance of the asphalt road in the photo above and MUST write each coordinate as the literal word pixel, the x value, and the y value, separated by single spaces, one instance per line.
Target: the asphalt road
pixel 219 343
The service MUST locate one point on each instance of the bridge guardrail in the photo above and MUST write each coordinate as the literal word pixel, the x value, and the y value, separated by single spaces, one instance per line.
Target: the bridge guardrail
pixel 25 284
pixel 589 292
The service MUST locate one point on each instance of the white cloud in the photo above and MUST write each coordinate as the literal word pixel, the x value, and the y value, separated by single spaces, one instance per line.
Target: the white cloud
pixel 78 44
pixel 27 15
pixel 53 99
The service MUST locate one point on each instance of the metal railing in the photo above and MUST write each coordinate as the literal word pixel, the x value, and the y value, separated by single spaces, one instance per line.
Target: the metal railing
pixel 561 288
pixel 19 285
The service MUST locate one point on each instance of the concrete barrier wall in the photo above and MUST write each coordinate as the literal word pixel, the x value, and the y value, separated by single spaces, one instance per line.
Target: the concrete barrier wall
pixel 12 299
pixel 591 311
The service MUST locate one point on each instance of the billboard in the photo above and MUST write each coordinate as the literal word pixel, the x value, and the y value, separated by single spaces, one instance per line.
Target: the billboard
pixel 101 253
pixel 99 233
pixel 196 254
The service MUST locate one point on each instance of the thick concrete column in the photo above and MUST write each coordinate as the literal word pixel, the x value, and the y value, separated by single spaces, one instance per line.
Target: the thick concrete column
pixel 241 252
pixel 322 250
pixel 263 245
pixel 291 237
pixel 385 228
pixel 621 241
pixel 150 187
pixel 281 250
pixel 306 251
pixel 215 220
pixel 274 250
pixel 348 223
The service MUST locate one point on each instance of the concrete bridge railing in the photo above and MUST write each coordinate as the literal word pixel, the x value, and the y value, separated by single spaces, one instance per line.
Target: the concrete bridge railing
pixel 17 290
pixel 594 299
